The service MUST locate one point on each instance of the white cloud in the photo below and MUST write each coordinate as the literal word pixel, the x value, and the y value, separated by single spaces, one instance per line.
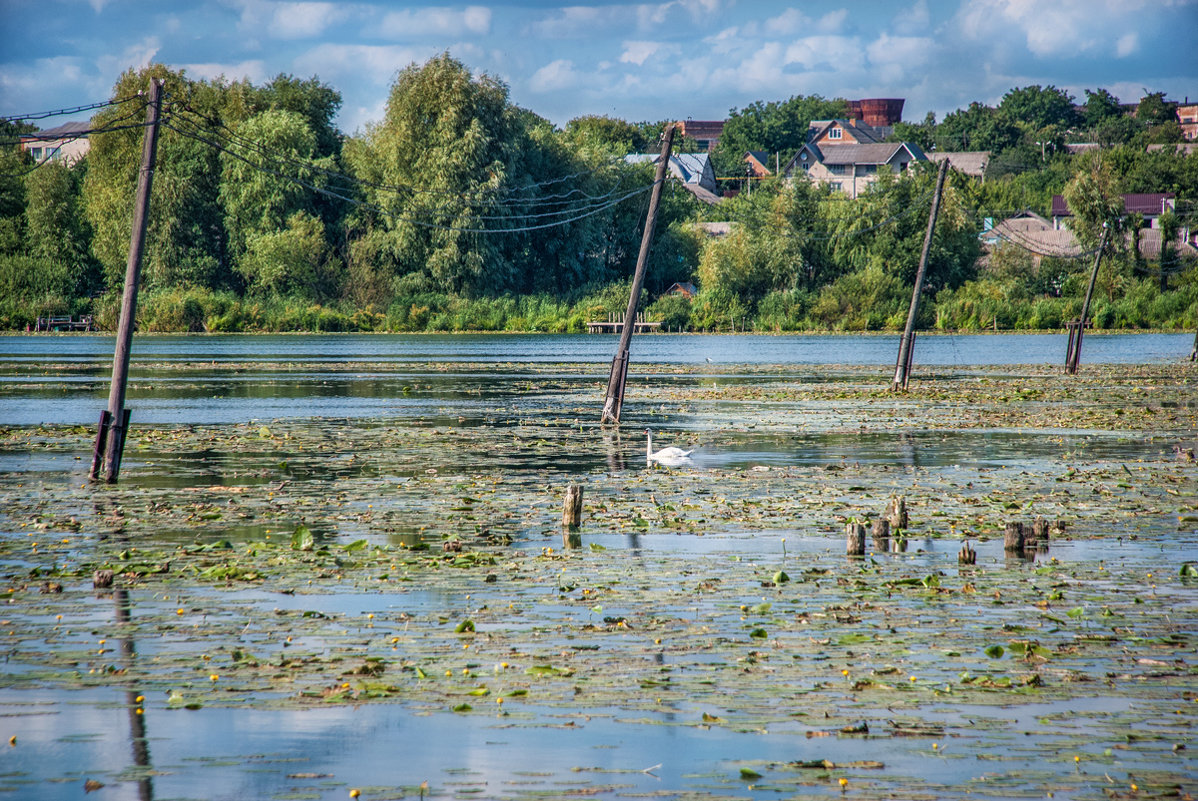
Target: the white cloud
pixel 556 75
pixel 1060 28
pixel 913 20
pixel 253 70
pixel 895 56
pixel 832 51
pixel 411 24
pixel 637 52
pixel 338 64
pixel 1127 44
pixel 574 21
pixel 302 20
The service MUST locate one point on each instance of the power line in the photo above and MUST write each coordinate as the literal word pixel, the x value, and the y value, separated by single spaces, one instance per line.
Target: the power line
pixel 398 217
pixel 41 115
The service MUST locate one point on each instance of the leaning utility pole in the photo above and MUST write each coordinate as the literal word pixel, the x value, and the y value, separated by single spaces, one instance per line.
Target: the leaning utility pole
pixel 902 370
pixel 614 401
pixel 114 421
pixel 1074 351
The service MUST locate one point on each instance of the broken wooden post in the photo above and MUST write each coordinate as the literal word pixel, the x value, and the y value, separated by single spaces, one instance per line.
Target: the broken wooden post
pixel 902 370
pixel 967 555
pixel 855 535
pixel 896 512
pixel 1013 538
pixel 572 507
pixel 1039 535
pixel 119 415
pixel 881 534
pixel 102 579
pixel 1075 352
pixel 614 400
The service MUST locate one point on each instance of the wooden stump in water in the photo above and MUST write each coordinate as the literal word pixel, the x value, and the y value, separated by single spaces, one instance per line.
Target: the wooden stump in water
pixel 855 539
pixel 571 539
pixel 572 508
pixel 1058 527
pixel 967 555
pixel 102 579
pixel 1013 538
pixel 881 534
pixel 896 512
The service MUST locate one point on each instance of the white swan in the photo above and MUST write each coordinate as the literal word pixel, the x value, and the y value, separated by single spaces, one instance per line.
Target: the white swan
pixel 665 455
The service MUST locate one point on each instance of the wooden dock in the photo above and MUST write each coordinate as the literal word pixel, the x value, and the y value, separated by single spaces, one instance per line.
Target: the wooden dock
pixel 66 322
pixel 613 326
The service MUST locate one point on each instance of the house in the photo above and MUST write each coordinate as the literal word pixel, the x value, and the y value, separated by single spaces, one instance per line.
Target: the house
pixel 845 132
pixel 693 171
pixel 1184 149
pixel 969 162
pixel 66 143
pixel 852 168
pixel 1150 205
pixel 1041 238
pixel 1187 117
pixel 757 164
pixel 683 289
pixel 706 133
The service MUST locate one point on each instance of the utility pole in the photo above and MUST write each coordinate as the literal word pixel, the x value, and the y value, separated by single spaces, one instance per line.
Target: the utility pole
pixel 614 401
pixel 1074 354
pixel 114 421
pixel 902 369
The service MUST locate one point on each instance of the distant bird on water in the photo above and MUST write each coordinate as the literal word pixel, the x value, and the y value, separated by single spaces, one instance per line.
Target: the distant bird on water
pixel 665 455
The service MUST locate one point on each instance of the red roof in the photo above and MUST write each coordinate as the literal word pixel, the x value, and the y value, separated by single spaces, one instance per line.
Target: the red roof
pixel 1146 203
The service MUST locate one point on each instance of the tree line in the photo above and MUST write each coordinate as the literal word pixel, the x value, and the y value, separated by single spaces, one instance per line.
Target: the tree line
pixel 459 210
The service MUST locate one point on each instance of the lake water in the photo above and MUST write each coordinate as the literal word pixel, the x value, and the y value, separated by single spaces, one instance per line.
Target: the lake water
pixel 221 379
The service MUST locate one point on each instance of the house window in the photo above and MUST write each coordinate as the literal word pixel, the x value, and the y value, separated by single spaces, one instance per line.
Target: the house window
pixel 835 133
pixel 806 166
pixel 869 169
pixel 36 153
pixel 836 186
pixel 902 166
pixel 838 169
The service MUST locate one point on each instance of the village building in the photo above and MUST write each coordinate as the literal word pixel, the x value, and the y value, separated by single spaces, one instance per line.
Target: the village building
pixel 1149 205
pixel 67 143
pixel 693 171
pixel 969 162
pixel 706 133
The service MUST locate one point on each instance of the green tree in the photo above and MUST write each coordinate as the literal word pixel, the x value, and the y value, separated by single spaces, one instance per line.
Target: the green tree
pixel 606 136
pixel 293 260
pixel 56 229
pixel 775 127
pixel 440 165
pixel 1095 203
pixel 1154 110
pixel 1040 107
pixel 977 127
pixel 1101 106
pixel 259 196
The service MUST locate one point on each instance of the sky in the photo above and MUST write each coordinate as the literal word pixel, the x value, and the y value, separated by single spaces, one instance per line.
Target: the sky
pixel 648 60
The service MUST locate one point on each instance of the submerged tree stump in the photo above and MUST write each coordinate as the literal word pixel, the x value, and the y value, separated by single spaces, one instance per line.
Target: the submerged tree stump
pixel 881 534
pixel 855 539
pixel 1013 538
pixel 572 507
pixel 102 579
pixel 967 555
pixel 896 512
pixel 1038 537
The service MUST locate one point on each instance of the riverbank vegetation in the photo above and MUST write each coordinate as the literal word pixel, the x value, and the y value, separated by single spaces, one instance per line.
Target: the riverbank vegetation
pixel 459 211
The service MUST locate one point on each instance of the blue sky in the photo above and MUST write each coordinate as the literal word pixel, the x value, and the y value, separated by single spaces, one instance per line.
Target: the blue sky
pixel 648 60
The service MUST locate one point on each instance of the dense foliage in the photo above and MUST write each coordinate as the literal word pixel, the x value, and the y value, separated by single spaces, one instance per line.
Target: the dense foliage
pixel 460 211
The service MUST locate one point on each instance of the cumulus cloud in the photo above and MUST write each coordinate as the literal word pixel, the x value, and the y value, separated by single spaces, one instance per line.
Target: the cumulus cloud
pixel 556 75
pixel 1061 28
pixel 414 23
pixel 637 52
pixel 376 64
pixel 896 56
pixel 811 52
pixel 302 20
pixel 1127 44
pixel 254 71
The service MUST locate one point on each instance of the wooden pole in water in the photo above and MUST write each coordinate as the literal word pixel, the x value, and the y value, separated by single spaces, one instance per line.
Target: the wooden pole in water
pixel 854 539
pixel 1076 349
pixel 902 372
pixel 1194 350
pixel 572 507
pixel 614 401
pixel 119 417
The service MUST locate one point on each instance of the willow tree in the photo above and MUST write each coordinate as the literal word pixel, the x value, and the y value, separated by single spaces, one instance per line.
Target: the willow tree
pixel 437 171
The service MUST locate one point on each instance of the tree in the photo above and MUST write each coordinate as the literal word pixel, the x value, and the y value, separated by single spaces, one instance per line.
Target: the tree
pixel 1040 107
pixel 1100 107
pixel 978 127
pixel 1095 203
pixel 294 260
pixel 56 230
pixel 604 135
pixel 775 127
pixel 1154 110
pixel 439 165
pixel 259 195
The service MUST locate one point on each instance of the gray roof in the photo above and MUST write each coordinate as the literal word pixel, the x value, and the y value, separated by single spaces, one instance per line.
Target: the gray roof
pixel 866 134
pixel 969 162
pixel 878 153
pixel 68 130
pixel 686 167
